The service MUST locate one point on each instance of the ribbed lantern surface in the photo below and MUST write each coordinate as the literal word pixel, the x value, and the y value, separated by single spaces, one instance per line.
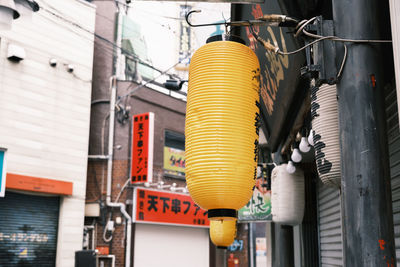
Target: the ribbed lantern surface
pixel 222 232
pixel 222 126
pixel 325 113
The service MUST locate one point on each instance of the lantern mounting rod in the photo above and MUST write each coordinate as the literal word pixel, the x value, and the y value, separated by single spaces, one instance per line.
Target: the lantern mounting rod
pixel 270 19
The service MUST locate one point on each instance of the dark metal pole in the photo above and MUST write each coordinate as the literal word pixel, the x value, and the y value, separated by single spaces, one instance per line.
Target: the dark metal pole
pixel 283 252
pixel 367 218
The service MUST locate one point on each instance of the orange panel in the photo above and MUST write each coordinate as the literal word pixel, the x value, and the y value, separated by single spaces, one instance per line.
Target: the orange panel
pixel 162 207
pixel 36 184
pixel 103 250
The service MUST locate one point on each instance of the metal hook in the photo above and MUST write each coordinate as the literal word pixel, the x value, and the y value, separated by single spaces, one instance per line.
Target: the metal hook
pixel 274 20
pixel 201 25
pixel 232 23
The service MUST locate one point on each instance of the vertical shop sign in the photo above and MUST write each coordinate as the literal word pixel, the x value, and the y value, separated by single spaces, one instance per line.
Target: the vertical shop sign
pixel 142 148
pixel 185 40
pixel 3 152
pixel 161 207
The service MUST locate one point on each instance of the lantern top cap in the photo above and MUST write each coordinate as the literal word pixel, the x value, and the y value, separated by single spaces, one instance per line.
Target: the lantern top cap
pixel 225 37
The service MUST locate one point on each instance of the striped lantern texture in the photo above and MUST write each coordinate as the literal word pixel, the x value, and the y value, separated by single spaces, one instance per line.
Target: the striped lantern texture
pixel 325 123
pixel 223 232
pixel 287 196
pixel 221 130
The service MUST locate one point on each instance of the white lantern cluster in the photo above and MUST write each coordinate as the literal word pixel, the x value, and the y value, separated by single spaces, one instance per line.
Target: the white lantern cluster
pixel 298 148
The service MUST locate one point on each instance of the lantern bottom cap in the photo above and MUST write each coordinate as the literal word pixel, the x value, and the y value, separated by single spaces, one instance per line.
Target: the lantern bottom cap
pixel 217 214
pixel 222 247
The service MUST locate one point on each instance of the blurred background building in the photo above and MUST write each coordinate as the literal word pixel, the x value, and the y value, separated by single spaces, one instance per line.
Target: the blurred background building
pixel 46 70
pixel 81 80
pixel 146 45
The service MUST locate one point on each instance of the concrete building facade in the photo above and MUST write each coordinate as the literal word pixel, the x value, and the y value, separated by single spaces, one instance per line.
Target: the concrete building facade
pixel 44 125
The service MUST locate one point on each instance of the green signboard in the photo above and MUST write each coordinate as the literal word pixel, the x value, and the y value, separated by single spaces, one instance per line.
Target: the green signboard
pixel 258 208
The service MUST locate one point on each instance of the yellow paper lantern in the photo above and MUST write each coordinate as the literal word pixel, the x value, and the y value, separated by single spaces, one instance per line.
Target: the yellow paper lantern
pixel 222 120
pixel 223 232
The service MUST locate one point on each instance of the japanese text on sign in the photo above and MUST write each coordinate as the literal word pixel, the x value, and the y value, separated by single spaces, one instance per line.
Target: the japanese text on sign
pixel 142 148
pixel 24 237
pixel 153 206
pixel 174 161
pixel 185 37
pixel 258 208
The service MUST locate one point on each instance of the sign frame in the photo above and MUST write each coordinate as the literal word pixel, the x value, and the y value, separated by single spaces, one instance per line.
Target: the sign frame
pixel 148 148
pixel 135 207
pixel 3 171
pixel 174 171
pixel 256 216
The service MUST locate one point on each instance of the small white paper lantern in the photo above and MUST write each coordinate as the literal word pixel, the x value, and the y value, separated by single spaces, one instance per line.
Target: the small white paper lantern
pixel 287 196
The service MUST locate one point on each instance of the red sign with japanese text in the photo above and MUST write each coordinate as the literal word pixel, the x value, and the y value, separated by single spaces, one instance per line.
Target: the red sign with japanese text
pixel 142 148
pixel 161 207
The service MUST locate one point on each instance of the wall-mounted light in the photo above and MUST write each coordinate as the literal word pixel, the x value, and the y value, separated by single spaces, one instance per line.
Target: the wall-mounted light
pixel 173 188
pixel 10 10
pixel 8 13
pixel 147 184
pixel 174 85
pixel 118 147
pixel 70 68
pixel 53 62
pixel 15 53
pixel 25 9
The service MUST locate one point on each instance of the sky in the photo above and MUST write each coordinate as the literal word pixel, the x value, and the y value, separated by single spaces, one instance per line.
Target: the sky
pixel 160 24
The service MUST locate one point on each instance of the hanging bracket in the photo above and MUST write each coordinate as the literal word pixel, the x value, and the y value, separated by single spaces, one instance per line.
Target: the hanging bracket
pixel 273 20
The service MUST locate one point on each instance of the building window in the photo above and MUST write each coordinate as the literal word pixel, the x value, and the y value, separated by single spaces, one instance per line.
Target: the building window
pixel 174 154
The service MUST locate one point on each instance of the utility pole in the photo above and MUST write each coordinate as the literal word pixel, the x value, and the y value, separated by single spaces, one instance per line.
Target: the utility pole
pixel 366 195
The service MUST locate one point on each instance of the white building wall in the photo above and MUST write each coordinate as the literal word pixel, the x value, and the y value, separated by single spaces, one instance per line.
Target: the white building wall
pixel 395 23
pixel 45 111
pixel 170 246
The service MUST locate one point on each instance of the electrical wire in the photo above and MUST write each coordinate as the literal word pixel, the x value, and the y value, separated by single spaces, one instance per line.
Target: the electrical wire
pixel 301 29
pixel 343 62
pixel 144 84
pixel 105 49
pixel 105 238
pixel 337 39
pixel 162 25
pixel 124 51
pixel 302 24
pixel 302 48
pixel 122 190
pixel 146 11
pixel 127 54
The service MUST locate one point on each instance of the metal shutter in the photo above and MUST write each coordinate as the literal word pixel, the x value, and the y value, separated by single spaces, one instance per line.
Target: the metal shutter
pixel 28 230
pixel 394 158
pixel 330 226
